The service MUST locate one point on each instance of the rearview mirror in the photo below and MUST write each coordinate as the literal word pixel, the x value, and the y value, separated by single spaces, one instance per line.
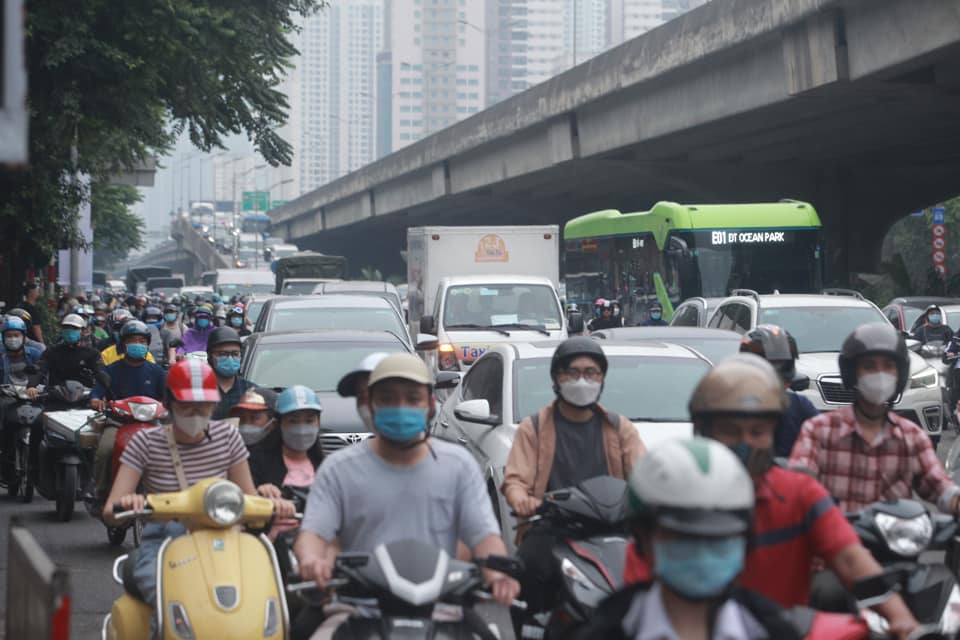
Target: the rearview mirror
pixel 474 411
pixel 447 380
pixel 426 342
pixel 575 323
pixel 428 325
pixel 800 382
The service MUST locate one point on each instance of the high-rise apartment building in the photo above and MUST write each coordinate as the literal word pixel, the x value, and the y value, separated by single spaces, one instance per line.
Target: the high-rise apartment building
pixel 338 90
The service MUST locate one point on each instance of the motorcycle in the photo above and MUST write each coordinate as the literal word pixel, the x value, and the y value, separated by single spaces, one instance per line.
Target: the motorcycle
pixel 67 443
pixel 128 416
pixel 216 581
pixel 935 354
pixel 588 522
pixel 897 533
pixel 410 581
pixel 22 415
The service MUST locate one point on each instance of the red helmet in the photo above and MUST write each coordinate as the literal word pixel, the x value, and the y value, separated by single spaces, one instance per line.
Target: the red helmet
pixel 192 380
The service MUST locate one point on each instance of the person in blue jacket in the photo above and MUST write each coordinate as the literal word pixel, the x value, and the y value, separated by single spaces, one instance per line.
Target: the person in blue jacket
pixel 776 345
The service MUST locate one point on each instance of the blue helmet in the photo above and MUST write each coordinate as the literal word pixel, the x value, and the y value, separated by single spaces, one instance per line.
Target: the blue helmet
pixel 296 398
pixel 13 323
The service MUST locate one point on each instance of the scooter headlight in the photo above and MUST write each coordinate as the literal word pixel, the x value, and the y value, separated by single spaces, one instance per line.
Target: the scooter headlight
pixel 223 502
pixel 143 412
pixel 905 536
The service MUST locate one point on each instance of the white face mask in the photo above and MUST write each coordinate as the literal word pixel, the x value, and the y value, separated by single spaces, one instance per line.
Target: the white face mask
pixel 877 388
pixel 366 416
pixel 252 434
pixel 191 425
pixel 580 393
pixel 13 343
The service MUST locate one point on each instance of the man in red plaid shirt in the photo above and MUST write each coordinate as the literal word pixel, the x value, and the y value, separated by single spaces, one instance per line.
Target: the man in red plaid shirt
pixel 865 453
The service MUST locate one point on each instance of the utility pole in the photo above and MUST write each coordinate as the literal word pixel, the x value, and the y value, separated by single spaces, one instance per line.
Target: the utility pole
pixel 74 254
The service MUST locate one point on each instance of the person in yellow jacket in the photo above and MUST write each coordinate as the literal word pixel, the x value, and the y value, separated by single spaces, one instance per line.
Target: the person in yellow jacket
pixel 110 353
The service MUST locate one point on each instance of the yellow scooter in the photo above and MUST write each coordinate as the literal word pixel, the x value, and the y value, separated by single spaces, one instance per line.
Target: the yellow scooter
pixel 214 582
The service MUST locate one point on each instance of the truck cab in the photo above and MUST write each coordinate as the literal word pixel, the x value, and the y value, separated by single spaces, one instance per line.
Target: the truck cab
pixel 471 313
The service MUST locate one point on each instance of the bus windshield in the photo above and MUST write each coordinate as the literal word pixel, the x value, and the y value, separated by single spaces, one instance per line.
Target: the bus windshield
pixel 713 263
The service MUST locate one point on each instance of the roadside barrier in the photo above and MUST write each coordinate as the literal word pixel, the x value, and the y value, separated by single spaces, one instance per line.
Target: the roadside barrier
pixel 38 591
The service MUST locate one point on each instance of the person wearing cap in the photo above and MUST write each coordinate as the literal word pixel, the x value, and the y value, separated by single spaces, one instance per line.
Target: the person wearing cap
pixel 28 320
pixel 208 449
pixel 195 338
pixel 237 319
pixel 291 460
pixel 438 485
pixel 112 351
pixel 219 315
pixel 656 316
pixel 739 403
pixel 255 420
pixel 605 318
pixel 570 440
pixel 932 327
pixel 99 323
pixel 690 505
pixel 223 354
pixel 354 385
pixel 153 318
pixel 17 355
pixel 171 329
pixel 69 359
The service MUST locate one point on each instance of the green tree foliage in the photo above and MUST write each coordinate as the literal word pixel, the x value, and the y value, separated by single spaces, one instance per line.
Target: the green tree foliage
pixel 116 229
pixel 121 81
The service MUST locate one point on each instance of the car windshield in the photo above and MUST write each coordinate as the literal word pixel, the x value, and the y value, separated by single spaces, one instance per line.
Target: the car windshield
pixel 230 290
pixel 501 304
pixel 320 365
pixel 362 318
pixel 820 328
pixel 301 288
pixel 639 387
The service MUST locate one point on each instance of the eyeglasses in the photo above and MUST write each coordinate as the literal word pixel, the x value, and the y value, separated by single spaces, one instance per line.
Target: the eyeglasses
pixel 572 373
pixel 227 354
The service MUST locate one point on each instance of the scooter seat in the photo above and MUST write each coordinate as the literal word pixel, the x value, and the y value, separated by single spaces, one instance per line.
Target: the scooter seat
pixel 129 581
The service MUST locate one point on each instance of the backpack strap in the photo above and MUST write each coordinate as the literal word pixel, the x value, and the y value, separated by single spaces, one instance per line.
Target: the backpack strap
pixel 535 418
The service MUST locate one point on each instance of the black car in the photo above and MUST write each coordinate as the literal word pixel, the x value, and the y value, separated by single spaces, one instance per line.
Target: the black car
pixel 317 359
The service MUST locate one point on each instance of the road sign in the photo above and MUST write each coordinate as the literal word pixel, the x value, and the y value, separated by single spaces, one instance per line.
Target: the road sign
pixel 939 243
pixel 939 268
pixel 256 200
pixel 939 231
pixel 939 215
pixel 277 203
pixel 939 257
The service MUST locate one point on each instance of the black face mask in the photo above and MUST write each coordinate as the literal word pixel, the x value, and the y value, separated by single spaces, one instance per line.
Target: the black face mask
pixel 757 461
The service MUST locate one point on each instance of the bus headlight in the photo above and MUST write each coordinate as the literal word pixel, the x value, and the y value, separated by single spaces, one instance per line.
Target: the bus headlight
pixel 223 502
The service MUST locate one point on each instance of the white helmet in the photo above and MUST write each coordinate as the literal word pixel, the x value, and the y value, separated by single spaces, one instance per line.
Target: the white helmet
pixel 694 486
pixel 73 321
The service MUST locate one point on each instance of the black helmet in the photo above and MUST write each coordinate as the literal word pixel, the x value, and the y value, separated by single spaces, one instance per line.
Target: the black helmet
pixel 577 346
pixel 222 335
pixel 774 344
pixel 875 338
pixel 134 328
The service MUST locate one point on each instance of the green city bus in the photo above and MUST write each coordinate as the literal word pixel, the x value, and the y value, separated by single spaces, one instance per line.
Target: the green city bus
pixel 674 252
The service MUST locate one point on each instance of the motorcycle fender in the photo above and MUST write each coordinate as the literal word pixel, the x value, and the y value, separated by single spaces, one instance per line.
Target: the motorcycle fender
pixel 129 618
pixel 224 579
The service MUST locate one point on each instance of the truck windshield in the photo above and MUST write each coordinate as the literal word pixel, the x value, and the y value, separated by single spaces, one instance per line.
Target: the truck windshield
pixel 501 305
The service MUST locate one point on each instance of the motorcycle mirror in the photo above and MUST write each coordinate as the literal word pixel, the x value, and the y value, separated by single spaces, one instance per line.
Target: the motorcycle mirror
pixel 877 589
pixel 176 343
pixel 800 383
pixel 511 566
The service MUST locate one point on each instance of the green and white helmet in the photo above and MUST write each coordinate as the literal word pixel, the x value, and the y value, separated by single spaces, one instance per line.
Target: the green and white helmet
pixel 695 486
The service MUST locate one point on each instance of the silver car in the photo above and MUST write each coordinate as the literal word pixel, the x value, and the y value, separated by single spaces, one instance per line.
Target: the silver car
pixel 648 382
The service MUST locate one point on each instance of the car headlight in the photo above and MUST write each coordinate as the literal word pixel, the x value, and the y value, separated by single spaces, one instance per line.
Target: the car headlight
pixel 223 502
pixel 905 536
pixel 926 378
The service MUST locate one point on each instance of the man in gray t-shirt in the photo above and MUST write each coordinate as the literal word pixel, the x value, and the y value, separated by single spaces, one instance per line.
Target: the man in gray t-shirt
pixel 400 485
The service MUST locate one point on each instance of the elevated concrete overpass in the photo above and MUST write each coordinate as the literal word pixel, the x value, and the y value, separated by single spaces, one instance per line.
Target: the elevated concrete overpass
pixel 853 105
pixel 187 252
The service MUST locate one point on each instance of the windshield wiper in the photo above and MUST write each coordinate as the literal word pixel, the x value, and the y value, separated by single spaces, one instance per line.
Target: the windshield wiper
pixel 526 327
pixel 478 327
pixel 649 419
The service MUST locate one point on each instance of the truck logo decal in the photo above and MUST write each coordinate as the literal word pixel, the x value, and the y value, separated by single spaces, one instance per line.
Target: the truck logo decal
pixel 491 248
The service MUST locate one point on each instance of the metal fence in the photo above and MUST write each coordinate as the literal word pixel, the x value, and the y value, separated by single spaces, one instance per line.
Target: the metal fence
pixel 38 592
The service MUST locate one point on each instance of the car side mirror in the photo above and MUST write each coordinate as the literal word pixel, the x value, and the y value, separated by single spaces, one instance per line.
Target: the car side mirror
pixel 474 411
pixel 575 323
pixel 426 342
pixel 800 383
pixel 447 380
pixel 428 325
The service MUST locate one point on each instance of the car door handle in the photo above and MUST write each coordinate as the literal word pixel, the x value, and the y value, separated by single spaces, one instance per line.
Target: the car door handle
pixel 444 424
pixel 462 441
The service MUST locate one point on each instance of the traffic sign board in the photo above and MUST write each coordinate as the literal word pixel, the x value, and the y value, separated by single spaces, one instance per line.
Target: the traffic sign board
pixel 277 203
pixel 939 230
pixel 939 215
pixel 938 243
pixel 256 200
pixel 939 257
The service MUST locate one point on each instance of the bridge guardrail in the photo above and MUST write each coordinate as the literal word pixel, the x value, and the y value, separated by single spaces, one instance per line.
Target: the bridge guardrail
pixel 38 591
pixel 198 246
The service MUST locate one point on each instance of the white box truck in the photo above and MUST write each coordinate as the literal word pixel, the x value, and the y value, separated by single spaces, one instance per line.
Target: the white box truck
pixel 477 286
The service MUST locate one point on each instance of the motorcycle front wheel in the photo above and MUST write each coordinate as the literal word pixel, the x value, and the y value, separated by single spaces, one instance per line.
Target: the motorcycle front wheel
pixel 68 493
pixel 23 475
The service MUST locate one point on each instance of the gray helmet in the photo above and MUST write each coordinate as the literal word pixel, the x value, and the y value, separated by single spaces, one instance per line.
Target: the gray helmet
pixel 875 338
pixel 574 347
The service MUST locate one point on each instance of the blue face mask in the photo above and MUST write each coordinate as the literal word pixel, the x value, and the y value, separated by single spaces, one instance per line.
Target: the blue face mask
pixel 655 315
pixel 236 322
pixel 136 351
pixel 934 318
pixel 203 323
pixel 228 366
pixel 698 568
pixel 71 336
pixel 170 317
pixel 156 323
pixel 400 424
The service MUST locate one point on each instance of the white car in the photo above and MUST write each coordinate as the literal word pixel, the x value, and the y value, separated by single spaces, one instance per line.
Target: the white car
pixel 648 382
pixel 820 324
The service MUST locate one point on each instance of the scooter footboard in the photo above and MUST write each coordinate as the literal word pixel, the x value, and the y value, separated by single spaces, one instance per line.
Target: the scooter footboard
pixel 129 618
pixel 396 628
